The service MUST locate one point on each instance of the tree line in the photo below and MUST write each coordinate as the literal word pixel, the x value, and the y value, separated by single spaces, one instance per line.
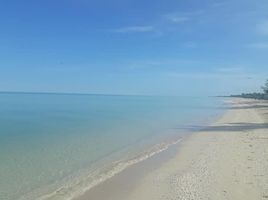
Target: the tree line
pixel 256 95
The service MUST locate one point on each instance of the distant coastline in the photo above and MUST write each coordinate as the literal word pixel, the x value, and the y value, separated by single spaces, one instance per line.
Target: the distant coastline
pixel 259 96
pixel 255 95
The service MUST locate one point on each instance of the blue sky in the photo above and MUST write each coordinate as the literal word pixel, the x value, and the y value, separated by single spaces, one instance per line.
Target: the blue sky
pixel 155 47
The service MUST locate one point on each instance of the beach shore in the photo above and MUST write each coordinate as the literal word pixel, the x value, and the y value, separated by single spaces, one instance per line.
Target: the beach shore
pixel 226 160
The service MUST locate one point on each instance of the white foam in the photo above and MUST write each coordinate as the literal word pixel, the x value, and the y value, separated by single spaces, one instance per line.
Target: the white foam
pixel 78 186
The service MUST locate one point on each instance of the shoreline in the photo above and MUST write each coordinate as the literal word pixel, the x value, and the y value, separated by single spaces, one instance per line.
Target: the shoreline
pixel 116 169
pixel 191 169
pixel 125 181
pixel 119 185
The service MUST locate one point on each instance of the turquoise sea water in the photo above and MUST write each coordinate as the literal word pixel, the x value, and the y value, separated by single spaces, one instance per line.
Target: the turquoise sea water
pixel 57 146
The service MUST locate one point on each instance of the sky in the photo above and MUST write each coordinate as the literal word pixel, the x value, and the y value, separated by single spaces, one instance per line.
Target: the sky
pixel 145 47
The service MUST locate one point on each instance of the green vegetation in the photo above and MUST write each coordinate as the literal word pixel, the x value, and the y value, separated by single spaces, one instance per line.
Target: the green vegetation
pixel 255 95
pixel 265 88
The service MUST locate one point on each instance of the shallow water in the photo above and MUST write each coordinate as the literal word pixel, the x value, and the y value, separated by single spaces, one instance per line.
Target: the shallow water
pixel 56 146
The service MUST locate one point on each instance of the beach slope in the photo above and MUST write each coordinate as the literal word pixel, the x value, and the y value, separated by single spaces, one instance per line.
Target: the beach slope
pixel 226 160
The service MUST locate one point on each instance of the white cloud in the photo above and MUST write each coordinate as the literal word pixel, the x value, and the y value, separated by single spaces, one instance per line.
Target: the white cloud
pixel 260 45
pixel 232 69
pixel 262 27
pixel 177 19
pixel 198 75
pixel 161 26
pixel 192 13
pixel 159 64
pixel 133 29
pixel 223 72
pixel 216 75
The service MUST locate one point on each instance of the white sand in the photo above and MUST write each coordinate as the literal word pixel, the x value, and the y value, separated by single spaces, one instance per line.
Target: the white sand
pixel 228 160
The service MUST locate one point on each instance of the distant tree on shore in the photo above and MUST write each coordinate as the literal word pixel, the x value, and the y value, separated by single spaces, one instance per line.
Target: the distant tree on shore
pixel 265 87
pixel 255 95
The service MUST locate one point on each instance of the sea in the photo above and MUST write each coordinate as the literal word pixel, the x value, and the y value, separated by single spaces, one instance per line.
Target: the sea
pixel 57 146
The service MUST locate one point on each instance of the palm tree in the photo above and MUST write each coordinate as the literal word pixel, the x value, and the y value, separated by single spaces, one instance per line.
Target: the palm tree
pixel 265 87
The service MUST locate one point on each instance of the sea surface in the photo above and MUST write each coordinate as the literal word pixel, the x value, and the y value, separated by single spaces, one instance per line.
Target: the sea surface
pixel 57 146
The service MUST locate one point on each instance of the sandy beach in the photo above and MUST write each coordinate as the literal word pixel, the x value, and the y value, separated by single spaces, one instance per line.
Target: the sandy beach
pixel 134 100
pixel 226 160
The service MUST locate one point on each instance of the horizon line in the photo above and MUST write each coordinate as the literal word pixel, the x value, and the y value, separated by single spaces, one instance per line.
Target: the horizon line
pixel 98 94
